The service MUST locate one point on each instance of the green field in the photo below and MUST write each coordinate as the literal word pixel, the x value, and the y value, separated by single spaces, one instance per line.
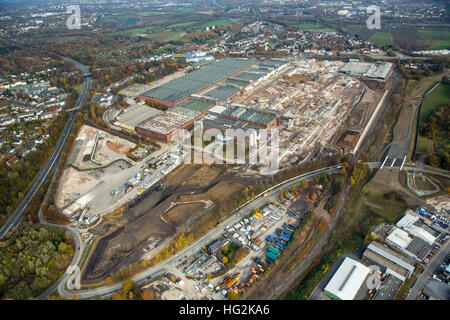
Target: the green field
pixel 221 22
pixel 183 24
pixel 437 98
pixel 166 36
pixel 382 38
pixel 434 34
pixel 167 46
pixel 314 27
pixel 353 29
pixel 442 44
pixel 304 26
pixel 441 38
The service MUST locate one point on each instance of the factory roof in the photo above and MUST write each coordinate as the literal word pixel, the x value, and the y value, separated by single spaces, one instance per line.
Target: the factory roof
pixel 191 83
pixel 389 258
pixel 251 114
pixel 165 123
pixel 220 92
pixel 347 280
pixel 399 238
pixel 136 114
pixel 197 105
pixel 419 248
pixel 414 226
pixel 379 69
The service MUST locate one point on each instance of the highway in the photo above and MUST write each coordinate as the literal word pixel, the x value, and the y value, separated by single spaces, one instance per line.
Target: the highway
pixel 49 166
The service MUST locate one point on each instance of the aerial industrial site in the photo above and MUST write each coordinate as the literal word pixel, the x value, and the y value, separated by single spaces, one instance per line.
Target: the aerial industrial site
pixel 224 150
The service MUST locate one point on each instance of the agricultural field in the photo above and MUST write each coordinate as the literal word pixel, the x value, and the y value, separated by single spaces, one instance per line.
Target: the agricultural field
pixel 220 22
pixel 353 29
pixel 382 38
pixel 314 27
pixel 182 24
pixel 441 38
pixel 403 37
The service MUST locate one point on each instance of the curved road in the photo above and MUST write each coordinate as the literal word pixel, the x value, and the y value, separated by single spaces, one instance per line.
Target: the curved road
pixel 243 210
pixel 246 208
pixel 49 166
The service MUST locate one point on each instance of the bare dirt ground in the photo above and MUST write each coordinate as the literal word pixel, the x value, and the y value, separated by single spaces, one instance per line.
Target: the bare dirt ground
pixel 117 147
pixel 181 212
pixel 73 183
pixel 152 220
pixel 109 148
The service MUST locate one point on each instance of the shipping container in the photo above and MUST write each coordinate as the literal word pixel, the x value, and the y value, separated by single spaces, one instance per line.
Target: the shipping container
pixel 274 250
pixel 271 256
pixel 279 245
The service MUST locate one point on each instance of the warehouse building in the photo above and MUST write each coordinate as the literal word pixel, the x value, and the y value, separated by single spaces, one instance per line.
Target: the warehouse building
pixel 413 247
pixel 348 279
pixel 414 226
pixel 378 70
pixel 192 96
pixel 164 127
pixel 389 261
pixel 133 116
pixel 253 116
pixel 179 90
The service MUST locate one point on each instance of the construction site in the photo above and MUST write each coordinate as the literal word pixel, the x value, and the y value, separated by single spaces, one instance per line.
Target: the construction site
pixel 141 204
pixel 310 100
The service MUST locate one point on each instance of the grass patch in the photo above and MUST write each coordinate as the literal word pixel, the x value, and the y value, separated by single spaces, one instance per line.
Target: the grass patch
pixel 382 38
pixel 308 26
pixel 437 98
pixel 353 29
pixel 424 145
pixel 179 25
pixel 434 34
pixel 314 27
pixel 220 22
pixel 442 44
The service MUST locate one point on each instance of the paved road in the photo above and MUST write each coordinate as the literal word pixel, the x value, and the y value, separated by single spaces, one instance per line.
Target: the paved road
pixel 49 166
pixel 213 234
pixel 423 278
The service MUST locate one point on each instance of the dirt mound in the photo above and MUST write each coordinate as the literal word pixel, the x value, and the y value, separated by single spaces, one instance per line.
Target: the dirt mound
pixel 117 147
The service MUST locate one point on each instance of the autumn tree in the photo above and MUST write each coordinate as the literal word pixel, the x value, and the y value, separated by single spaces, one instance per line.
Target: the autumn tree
pixel 148 295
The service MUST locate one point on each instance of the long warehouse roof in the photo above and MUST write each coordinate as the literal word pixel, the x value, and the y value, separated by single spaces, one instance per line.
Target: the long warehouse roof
pixel 191 83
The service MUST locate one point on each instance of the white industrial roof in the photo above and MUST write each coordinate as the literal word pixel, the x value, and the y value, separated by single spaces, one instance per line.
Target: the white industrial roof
pixel 407 222
pixel 399 237
pixel 348 279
